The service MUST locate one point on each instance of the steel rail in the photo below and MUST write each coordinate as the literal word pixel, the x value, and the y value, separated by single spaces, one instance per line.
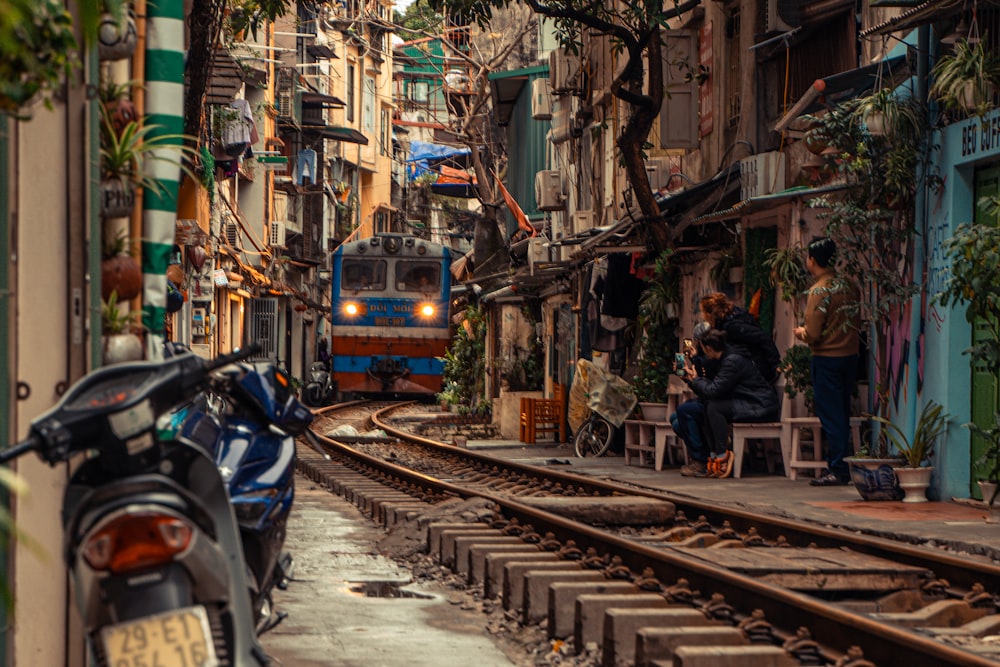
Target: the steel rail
pixel 958 571
pixel 833 628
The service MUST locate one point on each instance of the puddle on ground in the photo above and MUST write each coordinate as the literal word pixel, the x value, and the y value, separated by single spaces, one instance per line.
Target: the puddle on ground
pixel 385 589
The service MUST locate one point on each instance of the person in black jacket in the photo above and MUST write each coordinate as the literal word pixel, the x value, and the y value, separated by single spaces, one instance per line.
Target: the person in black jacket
pixel 742 329
pixel 737 392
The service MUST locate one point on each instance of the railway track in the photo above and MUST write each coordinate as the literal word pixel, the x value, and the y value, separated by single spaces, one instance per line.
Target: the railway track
pixel 618 567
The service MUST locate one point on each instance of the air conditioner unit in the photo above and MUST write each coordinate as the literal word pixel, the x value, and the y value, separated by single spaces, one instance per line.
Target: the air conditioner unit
pixel 277 238
pixel 779 16
pixel 564 72
pixel 541 100
pixel 548 190
pixel 762 174
pixel 232 231
pixel 581 221
pixel 658 172
pixel 563 119
pixel 538 252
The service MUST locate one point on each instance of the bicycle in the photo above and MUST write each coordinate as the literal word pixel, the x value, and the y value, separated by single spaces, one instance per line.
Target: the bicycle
pixel 594 436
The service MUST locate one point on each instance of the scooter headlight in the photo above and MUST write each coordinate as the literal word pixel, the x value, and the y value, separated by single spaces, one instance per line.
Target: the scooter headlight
pixel 135 541
pixel 250 507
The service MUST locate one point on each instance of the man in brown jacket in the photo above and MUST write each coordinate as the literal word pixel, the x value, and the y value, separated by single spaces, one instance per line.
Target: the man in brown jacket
pixel 832 335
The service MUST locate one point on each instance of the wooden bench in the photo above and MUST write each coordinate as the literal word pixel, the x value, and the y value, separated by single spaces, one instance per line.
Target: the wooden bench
pixel 543 415
pixel 649 441
pixel 817 462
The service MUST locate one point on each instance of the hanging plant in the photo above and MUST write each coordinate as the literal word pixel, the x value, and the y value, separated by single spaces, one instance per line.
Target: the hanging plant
pixel 966 79
pixel 117 36
pixel 120 272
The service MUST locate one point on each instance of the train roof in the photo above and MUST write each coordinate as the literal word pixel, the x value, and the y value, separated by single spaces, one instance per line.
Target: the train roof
pixel 405 245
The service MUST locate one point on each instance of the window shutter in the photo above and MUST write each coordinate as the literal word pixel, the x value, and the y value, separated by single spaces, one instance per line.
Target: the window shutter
pixel 679 113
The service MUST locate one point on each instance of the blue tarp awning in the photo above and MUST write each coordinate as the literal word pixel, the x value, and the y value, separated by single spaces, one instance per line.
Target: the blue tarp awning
pixel 426 151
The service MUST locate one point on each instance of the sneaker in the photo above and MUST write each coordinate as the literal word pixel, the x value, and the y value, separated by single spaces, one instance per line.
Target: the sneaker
pixel 694 469
pixel 725 465
pixel 829 479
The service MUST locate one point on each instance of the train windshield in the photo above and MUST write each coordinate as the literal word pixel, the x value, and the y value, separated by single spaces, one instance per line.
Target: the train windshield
pixel 418 276
pixel 363 274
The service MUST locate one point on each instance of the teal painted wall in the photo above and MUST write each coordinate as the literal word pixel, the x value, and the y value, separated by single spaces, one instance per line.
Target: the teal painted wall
pixel 943 372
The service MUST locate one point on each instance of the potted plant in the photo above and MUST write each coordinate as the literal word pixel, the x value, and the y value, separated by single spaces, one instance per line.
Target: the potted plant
pixel 117 34
pixel 975 282
pixel 120 272
pixel 120 329
pixel 966 79
pixel 657 317
pixel 123 156
pixel 729 267
pixel 914 476
pixel 788 273
pixel 888 114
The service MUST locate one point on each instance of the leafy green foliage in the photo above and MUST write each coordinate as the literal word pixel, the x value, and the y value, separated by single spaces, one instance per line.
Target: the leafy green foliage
pixel 418 19
pixel 975 282
pixel 114 321
pixel 965 79
pixel 656 325
pixel 37 51
pixel 796 366
pixel 788 272
pixel 465 364
pixel 930 425
pixel 873 221
pixel 124 154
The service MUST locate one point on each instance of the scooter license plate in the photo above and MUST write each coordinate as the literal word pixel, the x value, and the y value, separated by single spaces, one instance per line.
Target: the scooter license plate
pixel 180 637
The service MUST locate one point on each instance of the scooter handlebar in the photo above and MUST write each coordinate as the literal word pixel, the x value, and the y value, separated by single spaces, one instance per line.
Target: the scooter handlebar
pixel 20 449
pixel 233 357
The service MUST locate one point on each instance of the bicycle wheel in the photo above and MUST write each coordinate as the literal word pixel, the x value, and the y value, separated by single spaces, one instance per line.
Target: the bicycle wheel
pixel 593 438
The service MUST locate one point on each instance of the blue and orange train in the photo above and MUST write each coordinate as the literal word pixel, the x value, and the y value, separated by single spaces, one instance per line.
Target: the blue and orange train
pixel 390 301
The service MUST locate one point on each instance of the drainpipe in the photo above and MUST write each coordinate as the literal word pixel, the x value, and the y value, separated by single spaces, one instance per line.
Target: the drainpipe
pixel 922 223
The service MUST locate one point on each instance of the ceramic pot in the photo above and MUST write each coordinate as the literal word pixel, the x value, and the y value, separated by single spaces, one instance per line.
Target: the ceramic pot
pixel 654 412
pixel 875 479
pixel 914 483
pixel 115 40
pixel 117 198
pixel 118 348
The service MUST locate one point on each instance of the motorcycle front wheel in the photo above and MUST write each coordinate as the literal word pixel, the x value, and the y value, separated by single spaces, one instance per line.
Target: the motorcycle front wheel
pixel 593 438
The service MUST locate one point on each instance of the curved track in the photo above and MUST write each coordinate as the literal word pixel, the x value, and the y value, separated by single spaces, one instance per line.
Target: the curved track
pixel 677 574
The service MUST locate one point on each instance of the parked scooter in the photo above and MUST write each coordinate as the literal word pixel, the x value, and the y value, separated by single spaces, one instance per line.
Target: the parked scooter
pixel 249 422
pixel 319 389
pixel 151 541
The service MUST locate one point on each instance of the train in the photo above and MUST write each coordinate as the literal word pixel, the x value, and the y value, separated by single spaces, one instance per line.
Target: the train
pixel 390 316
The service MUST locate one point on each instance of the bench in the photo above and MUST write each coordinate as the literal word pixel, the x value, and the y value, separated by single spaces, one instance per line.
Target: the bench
pixel 766 431
pixel 817 463
pixel 647 441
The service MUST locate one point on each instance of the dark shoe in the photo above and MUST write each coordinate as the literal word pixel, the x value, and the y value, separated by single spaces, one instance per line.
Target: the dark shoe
pixel 829 479
pixel 694 469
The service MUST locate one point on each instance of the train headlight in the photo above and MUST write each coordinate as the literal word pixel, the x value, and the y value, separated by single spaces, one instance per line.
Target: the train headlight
pixel 427 310
pixel 352 309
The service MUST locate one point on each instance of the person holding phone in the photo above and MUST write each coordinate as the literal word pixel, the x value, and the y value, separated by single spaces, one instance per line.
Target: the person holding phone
pixel 689 419
pixel 737 392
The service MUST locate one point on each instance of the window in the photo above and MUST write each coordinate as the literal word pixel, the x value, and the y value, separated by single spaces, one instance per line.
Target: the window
pixel 418 276
pixel 349 93
pixel 384 132
pixel 420 91
pixel 362 274
pixel 368 106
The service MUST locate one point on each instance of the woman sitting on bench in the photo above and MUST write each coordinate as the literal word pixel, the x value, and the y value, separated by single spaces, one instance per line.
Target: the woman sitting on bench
pixel 737 392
